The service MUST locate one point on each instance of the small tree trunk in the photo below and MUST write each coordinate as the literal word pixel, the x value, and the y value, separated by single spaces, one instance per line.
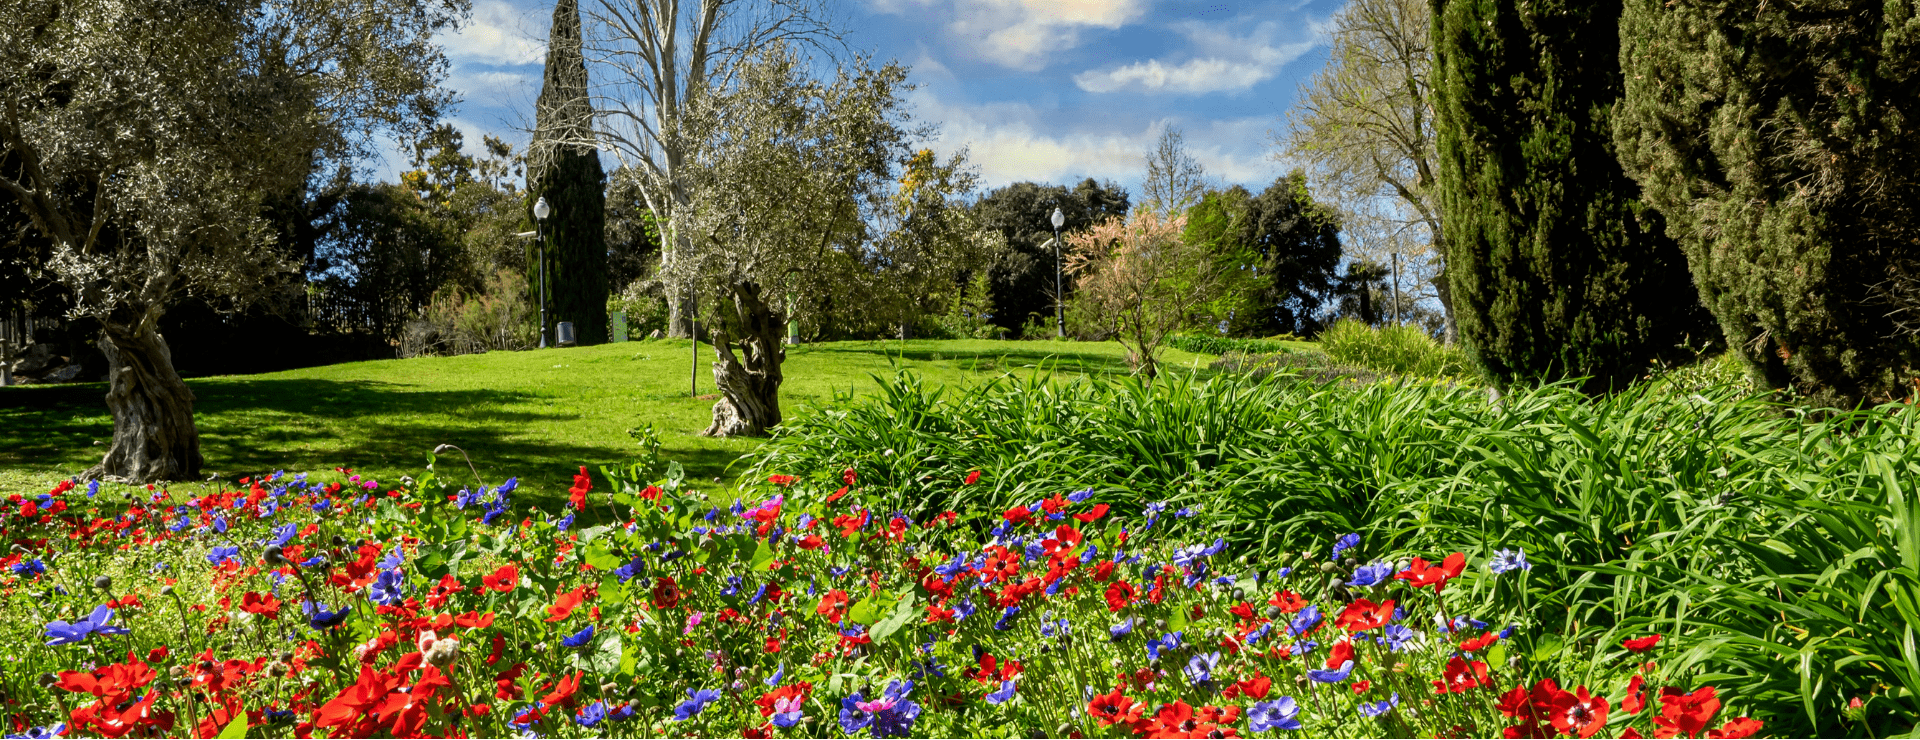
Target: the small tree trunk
pixel 1443 287
pixel 679 318
pixel 154 438
pixel 750 403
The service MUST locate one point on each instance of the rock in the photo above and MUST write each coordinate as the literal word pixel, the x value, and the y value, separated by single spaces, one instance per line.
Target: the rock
pixel 655 335
pixel 63 374
pixel 38 357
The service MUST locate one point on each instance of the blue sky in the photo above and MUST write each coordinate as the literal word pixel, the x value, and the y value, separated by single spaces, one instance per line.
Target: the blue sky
pixel 1044 90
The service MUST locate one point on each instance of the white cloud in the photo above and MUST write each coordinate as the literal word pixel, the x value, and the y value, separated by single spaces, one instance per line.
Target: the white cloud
pixel 1009 142
pixel 1018 34
pixel 1226 63
pixel 498 33
pixel 493 88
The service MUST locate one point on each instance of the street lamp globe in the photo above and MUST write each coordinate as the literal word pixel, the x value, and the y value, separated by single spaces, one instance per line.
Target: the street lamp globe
pixel 1059 219
pixel 541 210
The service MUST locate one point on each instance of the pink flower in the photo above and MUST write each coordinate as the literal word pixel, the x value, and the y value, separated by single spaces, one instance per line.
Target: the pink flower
pixel 693 620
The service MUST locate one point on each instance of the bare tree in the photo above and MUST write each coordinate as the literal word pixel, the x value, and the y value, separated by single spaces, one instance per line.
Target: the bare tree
pixel 658 59
pixel 1142 280
pixel 1364 130
pixel 1175 179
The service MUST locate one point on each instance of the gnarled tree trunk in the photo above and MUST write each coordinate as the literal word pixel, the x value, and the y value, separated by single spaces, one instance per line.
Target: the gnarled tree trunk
pixel 153 434
pixel 751 390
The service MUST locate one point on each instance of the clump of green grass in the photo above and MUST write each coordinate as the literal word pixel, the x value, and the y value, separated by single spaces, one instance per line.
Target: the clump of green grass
pixel 1401 350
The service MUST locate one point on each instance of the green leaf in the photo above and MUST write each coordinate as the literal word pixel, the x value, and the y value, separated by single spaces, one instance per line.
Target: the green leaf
pixel 599 558
pixel 1496 656
pixel 1177 621
pixel 1546 648
pixel 902 616
pixel 605 657
pixel 235 729
pixel 762 557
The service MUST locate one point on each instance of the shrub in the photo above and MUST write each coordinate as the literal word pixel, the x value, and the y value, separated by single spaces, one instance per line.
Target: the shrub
pixel 1403 350
pixel 1212 345
pixel 500 318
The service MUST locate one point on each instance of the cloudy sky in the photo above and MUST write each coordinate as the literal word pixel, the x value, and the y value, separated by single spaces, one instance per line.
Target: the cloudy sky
pixel 1044 90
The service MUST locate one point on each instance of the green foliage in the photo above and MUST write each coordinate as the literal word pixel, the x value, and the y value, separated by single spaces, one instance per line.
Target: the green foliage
pixel 1295 243
pixel 969 314
pixel 1401 350
pixel 1219 223
pixel 1023 278
pixel 1557 268
pixel 1779 142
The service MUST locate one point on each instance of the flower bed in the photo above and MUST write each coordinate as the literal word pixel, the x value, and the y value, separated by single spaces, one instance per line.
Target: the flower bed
pixel 293 605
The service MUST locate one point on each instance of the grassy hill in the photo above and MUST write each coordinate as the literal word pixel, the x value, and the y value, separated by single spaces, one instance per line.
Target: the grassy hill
pixel 537 415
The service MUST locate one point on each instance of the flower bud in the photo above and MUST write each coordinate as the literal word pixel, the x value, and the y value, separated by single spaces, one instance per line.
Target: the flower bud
pixel 104 583
pixel 166 590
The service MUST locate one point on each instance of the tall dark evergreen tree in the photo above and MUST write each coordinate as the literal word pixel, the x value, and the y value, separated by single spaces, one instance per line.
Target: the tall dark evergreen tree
pixel 1780 140
pixel 1557 267
pixel 563 166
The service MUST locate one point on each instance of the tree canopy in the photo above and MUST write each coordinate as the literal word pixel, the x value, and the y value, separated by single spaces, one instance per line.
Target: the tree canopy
pixel 1779 142
pixel 145 141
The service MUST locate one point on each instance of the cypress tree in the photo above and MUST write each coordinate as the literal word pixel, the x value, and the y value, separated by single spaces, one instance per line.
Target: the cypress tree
pixel 1557 268
pixel 563 166
pixel 1780 140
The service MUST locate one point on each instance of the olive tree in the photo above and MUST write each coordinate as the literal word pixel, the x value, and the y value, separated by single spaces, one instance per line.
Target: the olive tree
pixel 658 59
pixel 789 193
pixel 143 139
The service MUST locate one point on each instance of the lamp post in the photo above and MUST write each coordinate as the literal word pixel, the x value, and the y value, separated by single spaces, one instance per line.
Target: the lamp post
pixel 1059 296
pixel 540 212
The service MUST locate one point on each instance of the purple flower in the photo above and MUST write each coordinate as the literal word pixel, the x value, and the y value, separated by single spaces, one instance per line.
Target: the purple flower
pixel 1200 668
pixel 697 700
pixel 388 588
pixel 1168 642
pixel 579 639
pixel 1346 542
pixel 1368 575
pixel 63 633
pixel 891 715
pixel 1305 620
pixel 1375 709
pixel 1396 637
pixel 1005 693
pixel 320 618
pixel 1280 714
pixel 1333 676
pixel 592 714
pixel 1506 560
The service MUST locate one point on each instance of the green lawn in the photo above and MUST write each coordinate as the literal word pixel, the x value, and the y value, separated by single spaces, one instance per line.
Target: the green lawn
pixel 537 415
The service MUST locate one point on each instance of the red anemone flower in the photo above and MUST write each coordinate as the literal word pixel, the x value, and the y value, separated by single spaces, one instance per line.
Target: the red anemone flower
pixel 972 478
pixel 1641 644
pixel 1578 712
pixel 1686 714
pixel 502 580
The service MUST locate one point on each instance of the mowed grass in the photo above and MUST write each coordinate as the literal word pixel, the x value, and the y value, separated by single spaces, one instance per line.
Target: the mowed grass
pixel 537 415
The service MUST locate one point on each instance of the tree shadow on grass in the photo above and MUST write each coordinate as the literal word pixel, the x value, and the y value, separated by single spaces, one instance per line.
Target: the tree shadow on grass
pixel 250 425
pixel 998 358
